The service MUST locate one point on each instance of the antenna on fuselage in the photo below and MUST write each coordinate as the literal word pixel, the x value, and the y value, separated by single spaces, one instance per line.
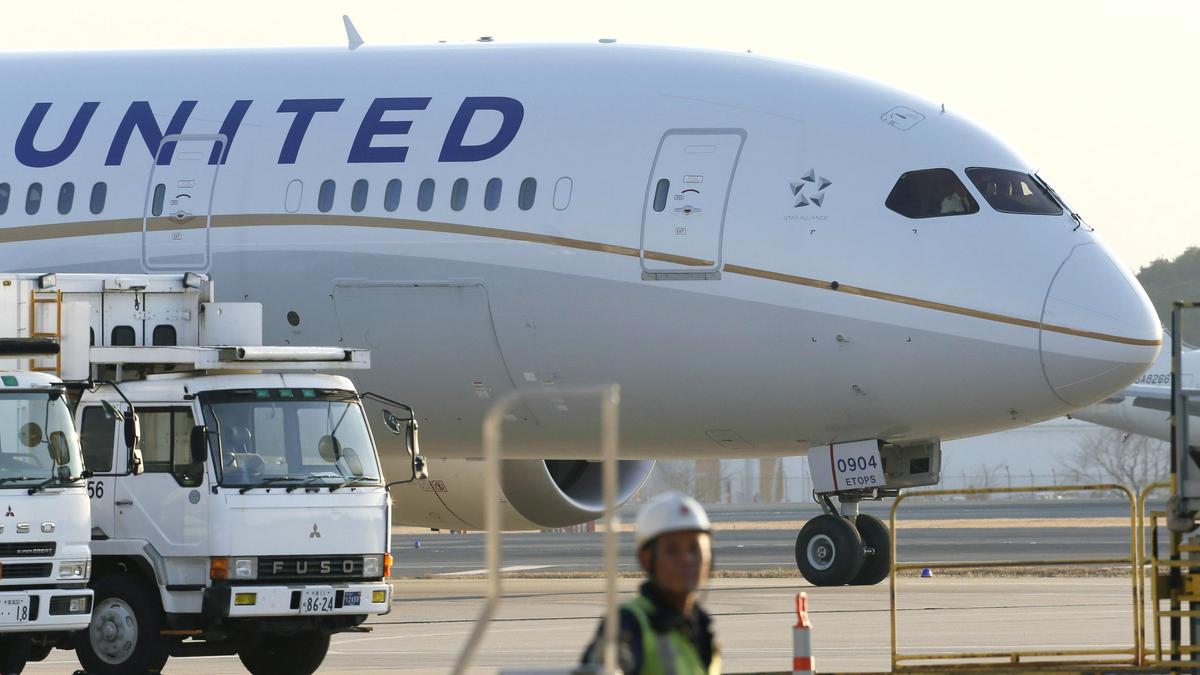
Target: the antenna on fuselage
pixel 352 35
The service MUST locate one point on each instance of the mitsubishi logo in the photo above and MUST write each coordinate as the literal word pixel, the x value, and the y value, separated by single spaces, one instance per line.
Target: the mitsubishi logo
pixel 315 534
pixel 815 196
pixel 9 513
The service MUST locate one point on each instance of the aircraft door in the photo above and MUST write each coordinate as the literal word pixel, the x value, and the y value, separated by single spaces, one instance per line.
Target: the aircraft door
pixel 177 215
pixel 683 219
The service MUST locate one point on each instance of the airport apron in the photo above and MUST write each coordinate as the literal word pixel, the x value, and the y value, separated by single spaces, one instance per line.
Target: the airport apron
pixel 670 653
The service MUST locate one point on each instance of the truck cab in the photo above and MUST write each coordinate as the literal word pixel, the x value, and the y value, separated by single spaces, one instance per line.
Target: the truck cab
pixel 45 562
pixel 260 518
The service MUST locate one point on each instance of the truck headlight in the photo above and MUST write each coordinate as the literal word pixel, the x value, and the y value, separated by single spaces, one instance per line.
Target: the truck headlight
pixel 244 568
pixel 372 566
pixel 75 569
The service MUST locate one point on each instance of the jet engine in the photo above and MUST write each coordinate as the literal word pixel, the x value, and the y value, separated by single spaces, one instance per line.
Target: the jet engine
pixel 534 494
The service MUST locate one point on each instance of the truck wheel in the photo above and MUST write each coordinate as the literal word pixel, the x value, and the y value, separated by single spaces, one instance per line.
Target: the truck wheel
pixel 123 638
pixel 14 652
pixel 274 654
pixel 39 652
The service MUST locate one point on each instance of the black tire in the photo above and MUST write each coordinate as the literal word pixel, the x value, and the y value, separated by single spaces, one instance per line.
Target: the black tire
pixel 123 638
pixel 14 652
pixel 878 564
pixel 39 652
pixel 274 654
pixel 829 551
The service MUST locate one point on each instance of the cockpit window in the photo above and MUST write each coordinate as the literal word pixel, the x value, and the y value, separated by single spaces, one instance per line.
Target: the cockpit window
pixel 931 193
pixel 1014 192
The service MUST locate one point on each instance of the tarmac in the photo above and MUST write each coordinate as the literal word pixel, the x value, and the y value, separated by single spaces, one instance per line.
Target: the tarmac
pixel 546 622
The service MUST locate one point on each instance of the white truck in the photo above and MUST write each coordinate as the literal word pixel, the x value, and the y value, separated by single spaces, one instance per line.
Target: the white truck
pixel 237 500
pixel 44 523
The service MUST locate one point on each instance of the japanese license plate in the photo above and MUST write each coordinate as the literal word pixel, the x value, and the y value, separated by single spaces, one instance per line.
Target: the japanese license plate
pixel 316 600
pixel 14 610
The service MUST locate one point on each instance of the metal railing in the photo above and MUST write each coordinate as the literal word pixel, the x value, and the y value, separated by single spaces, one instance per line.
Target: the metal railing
pixel 1023 659
pixel 610 401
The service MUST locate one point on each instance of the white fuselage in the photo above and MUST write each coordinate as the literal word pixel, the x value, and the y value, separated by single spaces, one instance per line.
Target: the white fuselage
pixel 1146 407
pixel 795 324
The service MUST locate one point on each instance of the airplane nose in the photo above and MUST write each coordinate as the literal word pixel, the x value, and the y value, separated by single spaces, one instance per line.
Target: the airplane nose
pixel 1099 330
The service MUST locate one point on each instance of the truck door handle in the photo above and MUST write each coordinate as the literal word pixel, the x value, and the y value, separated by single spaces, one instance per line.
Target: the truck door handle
pixel 123 502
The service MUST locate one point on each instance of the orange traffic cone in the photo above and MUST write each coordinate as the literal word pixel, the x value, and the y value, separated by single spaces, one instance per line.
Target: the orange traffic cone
pixel 802 658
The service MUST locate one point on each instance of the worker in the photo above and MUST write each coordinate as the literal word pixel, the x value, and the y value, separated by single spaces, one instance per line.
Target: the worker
pixel 664 631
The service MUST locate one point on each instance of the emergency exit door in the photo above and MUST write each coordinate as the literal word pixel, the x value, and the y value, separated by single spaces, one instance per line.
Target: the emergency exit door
pixel 683 220
pixel 177 218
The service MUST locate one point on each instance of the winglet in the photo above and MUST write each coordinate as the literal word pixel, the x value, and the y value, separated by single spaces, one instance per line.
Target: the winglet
pixel 352 35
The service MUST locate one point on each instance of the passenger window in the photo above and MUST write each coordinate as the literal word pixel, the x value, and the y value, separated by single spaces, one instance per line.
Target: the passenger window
pixel 33 199
pixel 99 193
pixel 5 191
pixel 97 436
pixel 325 196
pixel 358 196
pixel 391 195
pixel 160 195
pixel 527 194
pixel 425 195
pixel 166 444
pixel 930 193
pixel 1014 192
pixel 660 194
pixel 66 197
pixel 491 194
pixel 458 194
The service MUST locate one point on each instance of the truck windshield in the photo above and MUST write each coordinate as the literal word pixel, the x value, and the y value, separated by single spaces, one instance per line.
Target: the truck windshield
pixel 289 437
pixel 38 443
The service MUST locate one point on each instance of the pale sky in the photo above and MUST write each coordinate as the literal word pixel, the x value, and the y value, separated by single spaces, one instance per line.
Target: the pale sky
pixel 1102 95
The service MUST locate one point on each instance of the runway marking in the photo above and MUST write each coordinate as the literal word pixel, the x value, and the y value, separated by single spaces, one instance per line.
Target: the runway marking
pixel 510 568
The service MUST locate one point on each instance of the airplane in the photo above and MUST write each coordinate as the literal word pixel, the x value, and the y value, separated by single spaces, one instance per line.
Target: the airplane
pixel 1144 407
pixel 767 256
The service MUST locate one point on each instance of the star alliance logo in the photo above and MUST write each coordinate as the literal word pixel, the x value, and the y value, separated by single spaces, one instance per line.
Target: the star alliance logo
pixel 814 196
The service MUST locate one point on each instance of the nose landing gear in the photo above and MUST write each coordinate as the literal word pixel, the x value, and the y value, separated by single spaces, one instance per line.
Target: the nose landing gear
pixel 844 547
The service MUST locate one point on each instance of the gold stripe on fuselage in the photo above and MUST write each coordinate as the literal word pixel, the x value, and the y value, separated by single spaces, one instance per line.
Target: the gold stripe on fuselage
pixel 160 224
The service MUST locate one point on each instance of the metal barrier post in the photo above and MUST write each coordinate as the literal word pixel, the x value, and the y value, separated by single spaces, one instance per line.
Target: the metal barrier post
pixel 610 400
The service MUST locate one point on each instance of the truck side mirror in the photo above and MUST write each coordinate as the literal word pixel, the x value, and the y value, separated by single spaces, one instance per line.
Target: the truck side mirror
pixel 393 423
pixel 199 444
pixel 133 441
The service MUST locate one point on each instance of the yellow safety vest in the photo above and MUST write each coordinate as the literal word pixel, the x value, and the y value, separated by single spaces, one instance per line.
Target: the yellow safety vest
pixel 670 653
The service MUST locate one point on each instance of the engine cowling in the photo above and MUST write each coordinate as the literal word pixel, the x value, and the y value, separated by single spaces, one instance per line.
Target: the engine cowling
pixel 535 494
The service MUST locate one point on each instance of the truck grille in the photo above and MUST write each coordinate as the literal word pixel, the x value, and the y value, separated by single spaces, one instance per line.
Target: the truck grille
pixel 302 568
pixel 28 549
pixel 25 570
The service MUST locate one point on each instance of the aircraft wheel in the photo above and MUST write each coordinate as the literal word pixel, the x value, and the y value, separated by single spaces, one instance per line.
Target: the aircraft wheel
pixel 878 564
pixel 829 551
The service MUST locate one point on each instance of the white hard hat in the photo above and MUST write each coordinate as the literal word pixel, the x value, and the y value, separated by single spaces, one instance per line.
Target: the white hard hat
pixel 670 512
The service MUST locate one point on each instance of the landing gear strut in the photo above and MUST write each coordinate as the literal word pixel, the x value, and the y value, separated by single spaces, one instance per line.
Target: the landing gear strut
pixel 843 546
